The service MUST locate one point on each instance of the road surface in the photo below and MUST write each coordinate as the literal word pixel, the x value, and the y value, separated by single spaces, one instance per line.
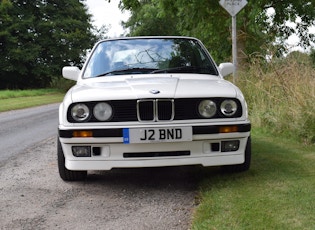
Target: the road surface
pixel 32 195
pixel 20 129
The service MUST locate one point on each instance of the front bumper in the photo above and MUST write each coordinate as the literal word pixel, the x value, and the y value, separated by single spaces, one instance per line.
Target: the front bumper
pixel 108 150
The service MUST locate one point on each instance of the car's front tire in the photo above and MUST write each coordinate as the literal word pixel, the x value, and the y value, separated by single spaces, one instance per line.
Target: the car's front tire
pixel 244 166
pixel 65 174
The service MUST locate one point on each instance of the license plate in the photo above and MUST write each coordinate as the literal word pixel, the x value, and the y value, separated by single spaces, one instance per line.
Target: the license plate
pixel 149 135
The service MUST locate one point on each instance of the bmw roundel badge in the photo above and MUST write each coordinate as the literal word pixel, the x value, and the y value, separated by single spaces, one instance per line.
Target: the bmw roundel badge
pixel 154 91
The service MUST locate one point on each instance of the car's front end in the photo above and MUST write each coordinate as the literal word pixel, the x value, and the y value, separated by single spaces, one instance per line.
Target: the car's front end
pixel 161 117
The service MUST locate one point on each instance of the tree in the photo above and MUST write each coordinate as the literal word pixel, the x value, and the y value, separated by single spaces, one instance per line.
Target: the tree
pixel 38 37
pixel 149 18
pixel 262 25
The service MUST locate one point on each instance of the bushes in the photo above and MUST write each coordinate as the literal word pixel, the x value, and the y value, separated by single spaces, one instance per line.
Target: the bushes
pixel 281 95
pixel 312 55
pixel 61 83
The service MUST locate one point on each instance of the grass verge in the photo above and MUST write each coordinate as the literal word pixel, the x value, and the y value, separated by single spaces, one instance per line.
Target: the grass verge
pixel 281 96
pixel 276 193
pixel 19 99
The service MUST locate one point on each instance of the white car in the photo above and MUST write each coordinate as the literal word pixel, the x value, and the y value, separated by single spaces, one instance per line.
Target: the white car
pixel 151 102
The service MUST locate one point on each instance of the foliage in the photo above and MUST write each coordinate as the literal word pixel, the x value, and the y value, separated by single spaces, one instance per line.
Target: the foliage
pixel 281 94
pixel 312 55
pixel 148 19
pixel 61 84
pixel 208 21
pixel 38 37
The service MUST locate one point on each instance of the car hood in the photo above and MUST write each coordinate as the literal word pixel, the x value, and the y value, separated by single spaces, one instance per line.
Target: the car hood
pixel 124 88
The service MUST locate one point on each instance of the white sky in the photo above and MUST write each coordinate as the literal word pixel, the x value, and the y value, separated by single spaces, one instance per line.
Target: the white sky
pixel 108 14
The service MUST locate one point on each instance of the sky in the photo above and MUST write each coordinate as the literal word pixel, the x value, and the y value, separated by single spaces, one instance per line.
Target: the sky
pixel 108 14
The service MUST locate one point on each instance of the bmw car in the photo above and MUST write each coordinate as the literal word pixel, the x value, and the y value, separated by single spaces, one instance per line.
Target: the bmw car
pixel 151 102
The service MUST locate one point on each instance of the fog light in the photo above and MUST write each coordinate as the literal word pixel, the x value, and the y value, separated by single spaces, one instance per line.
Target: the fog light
pixel 81 151
pixel 230 146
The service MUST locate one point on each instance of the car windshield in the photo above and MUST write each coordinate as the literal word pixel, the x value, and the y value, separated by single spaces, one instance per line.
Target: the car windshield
pixel 149 56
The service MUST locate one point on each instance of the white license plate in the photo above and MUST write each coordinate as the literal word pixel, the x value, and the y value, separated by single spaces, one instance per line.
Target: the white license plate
pixel 149 135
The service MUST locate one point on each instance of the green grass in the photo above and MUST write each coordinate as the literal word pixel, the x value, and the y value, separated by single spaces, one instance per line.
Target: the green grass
pixel 19 99
pixel 278 192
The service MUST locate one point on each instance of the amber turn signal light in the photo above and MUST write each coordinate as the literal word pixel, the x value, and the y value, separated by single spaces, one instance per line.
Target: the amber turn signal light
pixel 82 133
pixel 228 129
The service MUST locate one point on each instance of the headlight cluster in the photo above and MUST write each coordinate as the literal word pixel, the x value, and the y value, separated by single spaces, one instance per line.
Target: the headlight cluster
pixel 80 112
pixel 101 111
pixel 228 108
pixel 209 108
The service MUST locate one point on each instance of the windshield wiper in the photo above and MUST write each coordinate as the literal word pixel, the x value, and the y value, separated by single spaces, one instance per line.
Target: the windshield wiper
pixel 179 69
pixel 127 70
pixel 186 69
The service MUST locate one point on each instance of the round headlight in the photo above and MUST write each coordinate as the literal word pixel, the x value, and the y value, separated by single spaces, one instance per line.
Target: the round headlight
pixel 102 111
pixel 207 108
pixel 80 112
pixel 228 108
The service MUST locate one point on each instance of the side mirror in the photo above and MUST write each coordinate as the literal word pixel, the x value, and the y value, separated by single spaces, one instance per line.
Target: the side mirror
pixel 71 72
pixel 226 68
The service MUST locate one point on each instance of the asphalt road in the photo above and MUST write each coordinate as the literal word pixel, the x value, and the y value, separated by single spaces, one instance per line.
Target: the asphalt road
pixel 32 195
pixel 21 129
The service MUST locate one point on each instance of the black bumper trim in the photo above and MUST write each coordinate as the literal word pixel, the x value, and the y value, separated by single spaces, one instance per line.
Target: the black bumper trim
pixel 213 129
pixel 96 132
pixel 210 129
pixel 156 154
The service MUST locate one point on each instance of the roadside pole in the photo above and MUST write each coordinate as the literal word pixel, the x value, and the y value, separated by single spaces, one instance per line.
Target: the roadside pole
pixel 234 47
pixel 233 7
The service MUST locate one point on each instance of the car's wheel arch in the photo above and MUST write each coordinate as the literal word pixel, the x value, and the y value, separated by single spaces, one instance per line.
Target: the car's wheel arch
pixel 66 174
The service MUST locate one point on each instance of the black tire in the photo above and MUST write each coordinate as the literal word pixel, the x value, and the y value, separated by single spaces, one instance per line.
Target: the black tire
pixel 65 174
pixel 244 166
